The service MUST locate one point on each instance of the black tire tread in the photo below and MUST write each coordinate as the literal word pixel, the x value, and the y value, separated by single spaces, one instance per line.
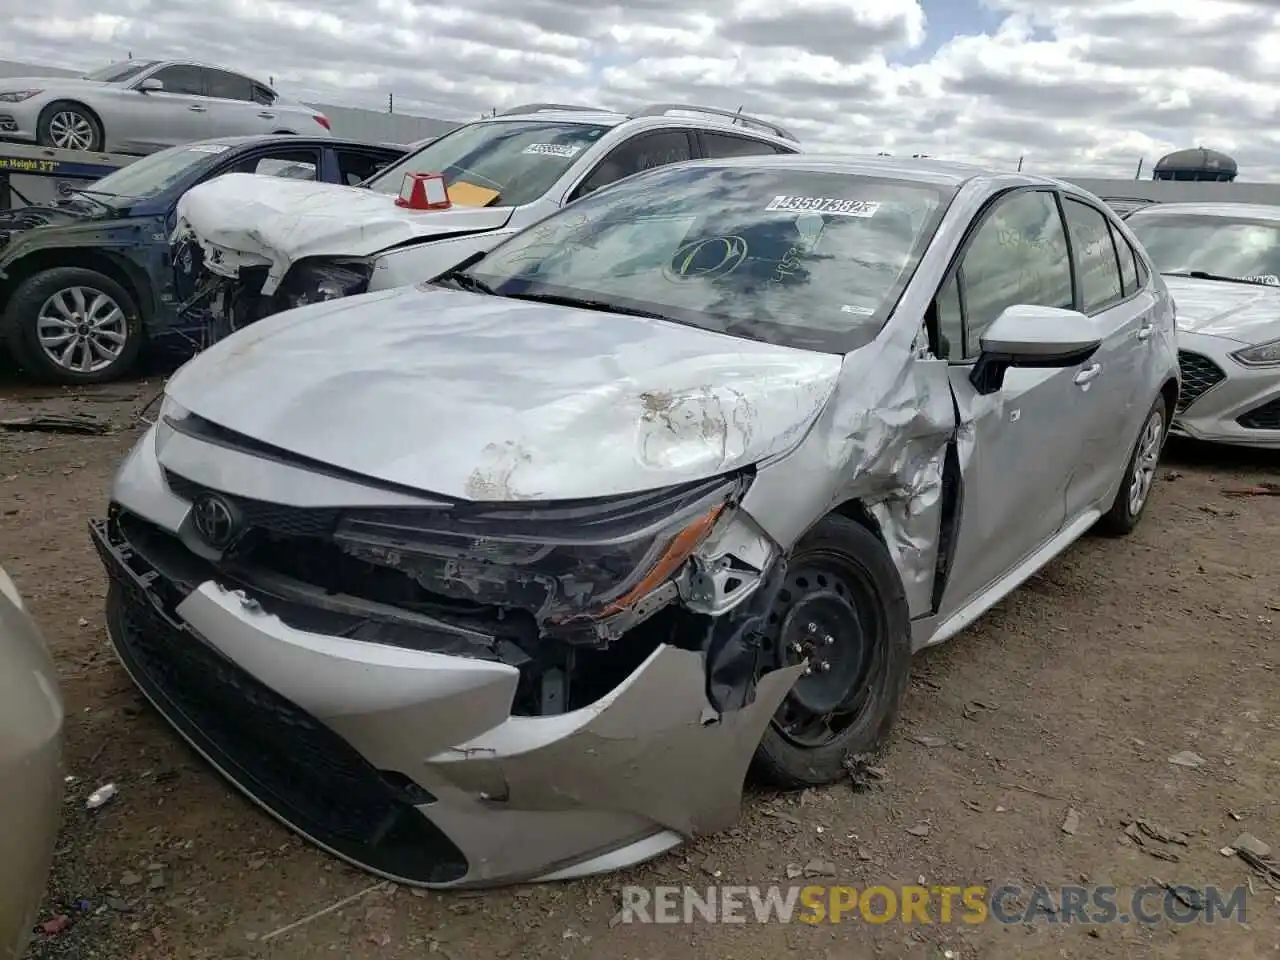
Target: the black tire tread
pixel 788 766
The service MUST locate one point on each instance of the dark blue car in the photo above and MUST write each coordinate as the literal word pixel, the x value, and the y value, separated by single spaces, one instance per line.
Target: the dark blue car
pixel 87 282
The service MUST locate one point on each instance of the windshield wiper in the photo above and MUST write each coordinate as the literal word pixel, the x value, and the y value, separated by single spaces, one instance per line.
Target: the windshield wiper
pixel 1203 275
pixel 600 305
pixel 457 276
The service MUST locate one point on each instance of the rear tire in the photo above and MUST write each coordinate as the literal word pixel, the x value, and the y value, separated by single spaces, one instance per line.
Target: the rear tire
pixel 844 606
pixel 65 125
pixel 90 309
pixel 1139 475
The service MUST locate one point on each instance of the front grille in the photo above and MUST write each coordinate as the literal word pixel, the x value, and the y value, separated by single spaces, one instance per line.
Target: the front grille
pixel 274 517
pixel 1199 374
pixel 1265 417
pixel 273 749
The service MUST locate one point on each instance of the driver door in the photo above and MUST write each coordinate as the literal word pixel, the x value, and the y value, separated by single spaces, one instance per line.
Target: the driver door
pixel 164 118
pixel 1024 439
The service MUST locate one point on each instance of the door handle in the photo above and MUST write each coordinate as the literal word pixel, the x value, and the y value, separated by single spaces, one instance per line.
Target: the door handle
pixel 267 116
pixel 1088 374
pixel 1144 332
pixel 198 109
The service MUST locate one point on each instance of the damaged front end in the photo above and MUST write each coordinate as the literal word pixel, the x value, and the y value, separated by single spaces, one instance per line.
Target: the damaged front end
pixel 227 295
pixel 464 674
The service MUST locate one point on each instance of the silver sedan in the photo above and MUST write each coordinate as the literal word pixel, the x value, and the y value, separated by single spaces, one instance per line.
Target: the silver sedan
pixel 510 575
pixel 1221 262
pixel 141 106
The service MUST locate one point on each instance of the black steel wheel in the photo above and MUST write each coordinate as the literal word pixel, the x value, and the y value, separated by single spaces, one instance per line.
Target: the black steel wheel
pixel 842 612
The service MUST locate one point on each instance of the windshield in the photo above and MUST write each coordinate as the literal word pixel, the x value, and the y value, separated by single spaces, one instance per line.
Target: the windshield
pixel 1228 247
pixel 154 174
pixel 117 72
pixel 504 163
pixel 788 256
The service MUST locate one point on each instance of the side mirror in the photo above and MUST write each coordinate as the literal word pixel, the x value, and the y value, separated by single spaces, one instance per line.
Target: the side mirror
pixel 150 85
pixel 1030 336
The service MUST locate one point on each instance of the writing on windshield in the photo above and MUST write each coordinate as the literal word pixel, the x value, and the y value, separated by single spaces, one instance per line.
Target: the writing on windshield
pixel 790 256
pixel 503 162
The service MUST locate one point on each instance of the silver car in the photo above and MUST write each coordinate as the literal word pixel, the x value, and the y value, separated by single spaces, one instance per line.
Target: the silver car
pixel 1221 262
pixel 141 106
pixel 510 575
pixel 31 716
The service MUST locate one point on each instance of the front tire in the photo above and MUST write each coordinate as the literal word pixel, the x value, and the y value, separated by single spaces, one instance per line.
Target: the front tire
pixel 69 126
pixel 1139 475
pixel 843 608
pixel 73 326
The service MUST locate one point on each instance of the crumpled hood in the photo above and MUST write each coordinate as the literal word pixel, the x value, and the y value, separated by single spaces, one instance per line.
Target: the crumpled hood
pixel 1247 312
pixel 493 399
pixel 243 219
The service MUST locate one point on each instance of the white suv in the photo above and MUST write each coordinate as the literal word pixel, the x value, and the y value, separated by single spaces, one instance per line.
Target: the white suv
pixel 248 246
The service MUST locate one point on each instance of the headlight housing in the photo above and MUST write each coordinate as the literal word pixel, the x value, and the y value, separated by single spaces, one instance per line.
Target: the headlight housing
pixel 171 412
pixel 17 96
pixel 570 564
pixel 321 280
pixel 1262 355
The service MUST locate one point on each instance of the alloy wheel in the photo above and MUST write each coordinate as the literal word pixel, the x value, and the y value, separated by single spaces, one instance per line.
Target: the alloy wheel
pixel 82 330
pixel 71 131
pixel 1145 461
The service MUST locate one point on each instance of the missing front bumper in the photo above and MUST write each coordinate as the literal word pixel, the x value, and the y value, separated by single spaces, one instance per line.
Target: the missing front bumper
pixel 359 767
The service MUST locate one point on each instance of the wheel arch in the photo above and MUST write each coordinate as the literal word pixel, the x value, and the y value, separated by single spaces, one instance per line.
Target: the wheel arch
pixel 109 265
pixel 1170 393
pixel 81 105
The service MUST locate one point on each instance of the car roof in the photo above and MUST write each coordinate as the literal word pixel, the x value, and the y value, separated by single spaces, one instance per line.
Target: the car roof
pixel 691 117
pixel 268 138
pixel 1230 210
pixel 925 170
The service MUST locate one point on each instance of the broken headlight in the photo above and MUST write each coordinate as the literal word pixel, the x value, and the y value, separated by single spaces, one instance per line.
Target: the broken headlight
pixel 567 563
pixel 315 282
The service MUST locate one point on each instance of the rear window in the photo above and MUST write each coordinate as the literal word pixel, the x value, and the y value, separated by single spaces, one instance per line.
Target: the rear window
pixel 498 163
pixel 794 257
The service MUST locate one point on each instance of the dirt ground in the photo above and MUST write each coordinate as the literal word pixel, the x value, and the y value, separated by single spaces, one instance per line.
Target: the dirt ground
pixel 1063 704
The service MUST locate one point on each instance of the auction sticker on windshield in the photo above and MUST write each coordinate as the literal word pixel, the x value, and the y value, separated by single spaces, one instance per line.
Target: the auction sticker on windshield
pixel 209 148
pixel 840 208
pixel 1266 279
pixel 553 149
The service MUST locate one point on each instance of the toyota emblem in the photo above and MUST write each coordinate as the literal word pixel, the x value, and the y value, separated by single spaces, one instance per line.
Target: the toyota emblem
pixel 215 520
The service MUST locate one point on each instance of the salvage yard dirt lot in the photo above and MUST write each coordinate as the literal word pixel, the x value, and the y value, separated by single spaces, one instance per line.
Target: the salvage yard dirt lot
pixel 1059 711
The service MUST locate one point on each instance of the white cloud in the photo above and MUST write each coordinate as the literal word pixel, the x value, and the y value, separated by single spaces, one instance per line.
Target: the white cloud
pixel 1072 85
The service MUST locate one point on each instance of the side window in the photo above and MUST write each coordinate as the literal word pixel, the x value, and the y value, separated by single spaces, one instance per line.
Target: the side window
pixel 717 145
pixel 1018 256
pixel 950 321
pixel 228 86
pixel 263 96
pixel 354 166
pixel 1128 262
pixel 292 164
pixel 644 152
pixel 1095 255
pixel 182 79
pixel 1143 275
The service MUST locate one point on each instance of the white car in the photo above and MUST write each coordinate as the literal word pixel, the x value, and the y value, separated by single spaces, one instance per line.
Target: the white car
pixel 278 246
pixel 141 106
pixel 1221 262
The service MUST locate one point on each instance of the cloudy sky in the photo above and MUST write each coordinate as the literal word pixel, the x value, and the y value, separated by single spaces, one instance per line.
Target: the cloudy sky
pixel 1072 85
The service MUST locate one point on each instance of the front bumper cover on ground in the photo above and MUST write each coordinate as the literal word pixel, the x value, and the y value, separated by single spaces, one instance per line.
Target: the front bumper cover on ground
pixel 409 764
